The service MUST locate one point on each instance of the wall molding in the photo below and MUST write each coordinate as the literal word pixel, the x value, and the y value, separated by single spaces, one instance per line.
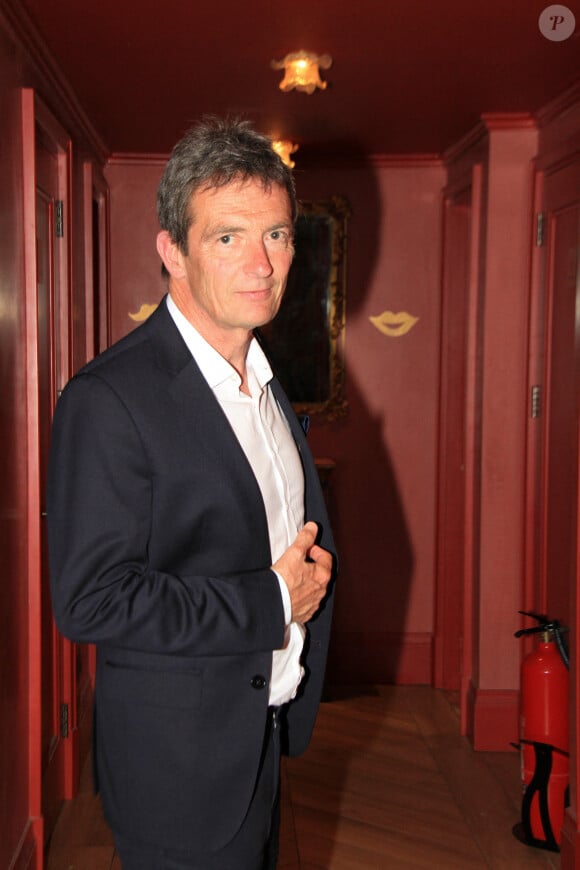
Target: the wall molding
pixel 508 121
pixel 375 161
pixel 402 161
pixel 472 139
pixel 490 122
pixel 55 88
pixel 560 105
pixel 118 158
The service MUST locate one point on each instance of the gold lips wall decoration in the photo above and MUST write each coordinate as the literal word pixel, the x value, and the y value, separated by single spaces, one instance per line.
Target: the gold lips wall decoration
pixel 143 313
pixel 394 324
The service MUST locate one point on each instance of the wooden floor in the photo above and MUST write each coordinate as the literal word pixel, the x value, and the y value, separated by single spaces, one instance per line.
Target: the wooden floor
pixel 386 783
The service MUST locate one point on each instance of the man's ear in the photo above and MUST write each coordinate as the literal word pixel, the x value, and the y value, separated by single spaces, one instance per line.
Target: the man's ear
pixel 170 254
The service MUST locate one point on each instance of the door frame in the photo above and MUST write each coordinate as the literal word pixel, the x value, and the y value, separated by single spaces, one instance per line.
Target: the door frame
pixel 96 191
pixel 96 222
pixel 453 664
pixel 33 113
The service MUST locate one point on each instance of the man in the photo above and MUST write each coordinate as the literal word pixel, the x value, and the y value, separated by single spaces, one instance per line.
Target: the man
pixel 188 535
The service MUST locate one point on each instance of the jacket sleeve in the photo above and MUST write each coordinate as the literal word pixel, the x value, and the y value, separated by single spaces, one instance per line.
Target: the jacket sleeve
pixel 101 490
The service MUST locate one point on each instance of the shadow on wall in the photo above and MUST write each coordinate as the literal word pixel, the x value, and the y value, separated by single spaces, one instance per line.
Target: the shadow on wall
pixel 375 554
pixel 375 557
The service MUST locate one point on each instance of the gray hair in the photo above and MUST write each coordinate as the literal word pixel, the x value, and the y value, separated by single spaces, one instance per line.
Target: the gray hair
pixel 214 153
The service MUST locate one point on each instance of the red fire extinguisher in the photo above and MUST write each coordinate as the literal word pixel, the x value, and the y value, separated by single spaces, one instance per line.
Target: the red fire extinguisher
pixel 544 736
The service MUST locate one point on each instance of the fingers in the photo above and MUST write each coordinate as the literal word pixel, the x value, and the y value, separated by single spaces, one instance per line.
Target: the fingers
pixel 306 600
pixel 306 569
pixel 321 557
pixel 307 536
pixel 305 540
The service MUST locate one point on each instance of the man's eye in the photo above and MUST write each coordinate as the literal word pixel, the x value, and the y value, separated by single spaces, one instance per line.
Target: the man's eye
pixel 225 240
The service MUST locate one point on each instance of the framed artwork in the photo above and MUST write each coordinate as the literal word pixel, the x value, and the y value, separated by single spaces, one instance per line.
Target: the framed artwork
pixel 305 341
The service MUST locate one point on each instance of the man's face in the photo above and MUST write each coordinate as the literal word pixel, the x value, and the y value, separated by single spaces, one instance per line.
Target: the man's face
pixel 239 253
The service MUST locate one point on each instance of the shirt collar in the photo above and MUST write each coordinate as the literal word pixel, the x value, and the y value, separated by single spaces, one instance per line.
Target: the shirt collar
pixel 213 366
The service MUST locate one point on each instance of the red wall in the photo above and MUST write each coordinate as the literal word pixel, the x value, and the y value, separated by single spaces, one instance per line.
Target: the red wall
pixel 383 486
pixel 135 264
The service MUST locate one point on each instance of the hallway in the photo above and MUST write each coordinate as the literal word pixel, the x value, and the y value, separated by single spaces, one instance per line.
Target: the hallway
pixel 386 783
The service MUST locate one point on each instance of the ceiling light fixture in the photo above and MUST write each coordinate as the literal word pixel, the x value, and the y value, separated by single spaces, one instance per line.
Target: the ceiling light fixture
pixel 284 148
pixel 301 71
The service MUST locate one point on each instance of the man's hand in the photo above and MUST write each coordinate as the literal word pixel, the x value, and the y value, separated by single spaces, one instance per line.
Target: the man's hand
pixel 306 569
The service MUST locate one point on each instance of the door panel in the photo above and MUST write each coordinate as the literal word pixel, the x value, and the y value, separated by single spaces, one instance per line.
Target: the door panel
pixel 45 287
pixel 561 425
pixel 53 647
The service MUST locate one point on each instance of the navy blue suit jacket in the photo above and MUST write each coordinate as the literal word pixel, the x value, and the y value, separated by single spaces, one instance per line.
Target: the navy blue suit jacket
pixel 159 554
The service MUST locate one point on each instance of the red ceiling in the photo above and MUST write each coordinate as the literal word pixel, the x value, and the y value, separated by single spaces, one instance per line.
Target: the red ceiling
pixel 408 75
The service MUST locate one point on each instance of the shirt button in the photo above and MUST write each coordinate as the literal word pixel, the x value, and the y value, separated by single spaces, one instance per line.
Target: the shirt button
pixel 258 682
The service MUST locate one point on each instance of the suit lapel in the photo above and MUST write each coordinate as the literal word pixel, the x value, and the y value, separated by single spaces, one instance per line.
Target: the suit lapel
pixel 205 419
pixel 201 412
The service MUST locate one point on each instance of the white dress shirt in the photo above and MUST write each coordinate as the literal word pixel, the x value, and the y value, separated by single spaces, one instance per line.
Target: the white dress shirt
pixel 265 437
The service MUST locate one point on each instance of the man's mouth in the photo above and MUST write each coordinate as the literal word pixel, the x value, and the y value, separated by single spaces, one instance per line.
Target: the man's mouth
pixel 257 294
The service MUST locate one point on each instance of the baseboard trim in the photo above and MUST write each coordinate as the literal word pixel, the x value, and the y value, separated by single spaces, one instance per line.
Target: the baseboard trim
pixel 360 657
pixel 492 718
pixel 570 845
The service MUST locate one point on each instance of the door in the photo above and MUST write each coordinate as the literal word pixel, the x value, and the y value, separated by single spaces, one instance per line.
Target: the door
pixel 559 520
pixel 557 552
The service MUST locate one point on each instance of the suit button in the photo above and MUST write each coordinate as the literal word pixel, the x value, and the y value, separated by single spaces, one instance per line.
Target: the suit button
pixel 258 682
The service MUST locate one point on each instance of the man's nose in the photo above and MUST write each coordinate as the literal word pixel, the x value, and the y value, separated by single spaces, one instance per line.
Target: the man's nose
pixel 258 260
